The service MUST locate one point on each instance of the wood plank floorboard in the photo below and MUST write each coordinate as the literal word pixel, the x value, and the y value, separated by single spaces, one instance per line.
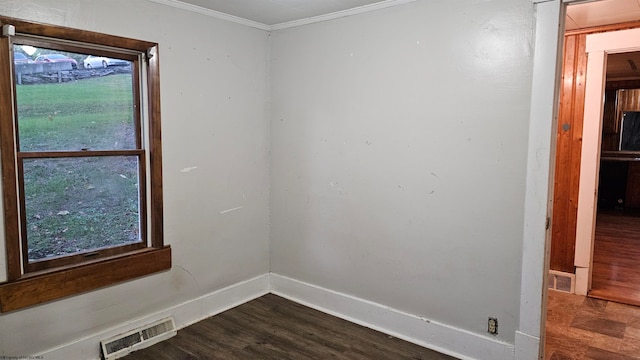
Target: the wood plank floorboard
pixel 616 258
pixel 272 327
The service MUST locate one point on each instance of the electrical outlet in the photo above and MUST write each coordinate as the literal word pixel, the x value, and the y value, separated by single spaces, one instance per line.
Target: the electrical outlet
pixel 492 327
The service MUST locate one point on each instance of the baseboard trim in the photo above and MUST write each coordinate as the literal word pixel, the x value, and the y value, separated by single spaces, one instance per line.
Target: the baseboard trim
pixel 424 332
pixel 440 337
pixel 184 314
pixel 526 346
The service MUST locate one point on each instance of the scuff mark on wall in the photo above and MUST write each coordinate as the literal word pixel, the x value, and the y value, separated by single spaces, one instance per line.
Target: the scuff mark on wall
pixel 188 169
pixel 337 186
pixel 231 210
pixel 177 282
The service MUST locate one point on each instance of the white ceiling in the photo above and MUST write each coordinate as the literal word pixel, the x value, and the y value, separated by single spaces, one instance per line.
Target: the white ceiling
pixel 601 13
pixel 623 66
pixel 605 12
pixel 272 12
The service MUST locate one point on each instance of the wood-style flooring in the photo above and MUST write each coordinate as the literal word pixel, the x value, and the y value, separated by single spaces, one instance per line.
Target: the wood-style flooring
pixel 605 325
pixel 583 328
pixel 616 258
pixel 271 327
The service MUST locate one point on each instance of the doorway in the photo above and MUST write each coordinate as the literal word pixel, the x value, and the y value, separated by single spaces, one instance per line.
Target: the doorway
pixel 604 152
pixel 579 326
pixel 579 132
pixel 616 245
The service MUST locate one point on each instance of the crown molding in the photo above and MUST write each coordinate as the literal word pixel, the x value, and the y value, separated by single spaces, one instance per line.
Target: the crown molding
pixel 285 25
pixel 340 14
pixel 212 13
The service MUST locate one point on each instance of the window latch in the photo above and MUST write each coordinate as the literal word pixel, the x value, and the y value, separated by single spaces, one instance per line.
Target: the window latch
pixel 8 30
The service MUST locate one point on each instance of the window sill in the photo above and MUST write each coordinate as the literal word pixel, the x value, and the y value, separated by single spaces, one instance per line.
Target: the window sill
pixel 37 288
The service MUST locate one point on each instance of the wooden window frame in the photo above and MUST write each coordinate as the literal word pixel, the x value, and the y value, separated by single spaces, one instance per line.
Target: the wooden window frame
pixel 24 155
pixel 27 288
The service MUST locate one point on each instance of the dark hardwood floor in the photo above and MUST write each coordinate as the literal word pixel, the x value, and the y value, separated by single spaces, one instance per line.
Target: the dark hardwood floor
pixel 616 258
pixel 271 327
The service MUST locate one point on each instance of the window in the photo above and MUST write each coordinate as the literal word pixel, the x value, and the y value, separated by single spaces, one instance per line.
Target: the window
pixel 81 162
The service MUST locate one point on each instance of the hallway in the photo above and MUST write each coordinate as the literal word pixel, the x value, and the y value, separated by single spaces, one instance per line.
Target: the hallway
pixel 616 258
pixel 590 329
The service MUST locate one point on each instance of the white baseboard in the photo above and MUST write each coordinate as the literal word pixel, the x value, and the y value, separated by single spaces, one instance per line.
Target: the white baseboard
pixel 184 315
pixel 430 334
pixel 582 281
pixel 443 338
pixel 527 346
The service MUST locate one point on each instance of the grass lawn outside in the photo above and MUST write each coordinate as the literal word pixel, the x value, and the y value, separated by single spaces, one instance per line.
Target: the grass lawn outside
pixel 79 204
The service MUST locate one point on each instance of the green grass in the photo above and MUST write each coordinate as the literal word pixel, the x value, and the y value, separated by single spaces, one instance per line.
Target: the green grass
pixel 86 203
pixel 94 114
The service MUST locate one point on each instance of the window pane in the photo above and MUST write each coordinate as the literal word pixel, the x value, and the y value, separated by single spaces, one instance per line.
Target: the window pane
pixel 80 204
pixel 68 101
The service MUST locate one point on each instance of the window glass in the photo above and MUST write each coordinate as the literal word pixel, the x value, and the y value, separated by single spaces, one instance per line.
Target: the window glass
pixel 62 109
pixel 78 153
pixel 80 204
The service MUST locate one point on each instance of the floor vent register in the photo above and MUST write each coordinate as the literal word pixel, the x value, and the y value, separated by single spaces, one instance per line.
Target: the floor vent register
pixel 124 344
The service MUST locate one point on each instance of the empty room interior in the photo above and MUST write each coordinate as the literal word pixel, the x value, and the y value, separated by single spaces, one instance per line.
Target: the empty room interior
pixel 390 163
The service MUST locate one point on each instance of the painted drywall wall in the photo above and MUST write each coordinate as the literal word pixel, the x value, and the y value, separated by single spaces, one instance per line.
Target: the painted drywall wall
pixel 398 160
pixel 214 94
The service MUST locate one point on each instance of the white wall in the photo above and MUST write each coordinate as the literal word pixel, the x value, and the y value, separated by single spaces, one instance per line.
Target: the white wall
pixel 398 161
pixel 214 88
pixel 399 142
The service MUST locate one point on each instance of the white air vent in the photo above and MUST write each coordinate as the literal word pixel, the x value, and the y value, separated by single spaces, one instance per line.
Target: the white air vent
pixel 562 281
pixel 123 344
